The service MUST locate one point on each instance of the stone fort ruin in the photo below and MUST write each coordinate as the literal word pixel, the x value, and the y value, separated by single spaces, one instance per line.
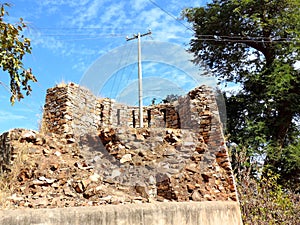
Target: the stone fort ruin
pixel 90 151
pixel 179 154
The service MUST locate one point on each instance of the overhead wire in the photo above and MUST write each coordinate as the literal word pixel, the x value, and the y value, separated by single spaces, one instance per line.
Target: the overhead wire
pixel 123 70
pixel 130 73
pixel 11 93
pixel 115 75
pixel 244 39
pixel 227 38
pixel 76 33
pixel 202 37
pixel 169 14
pixel 121 32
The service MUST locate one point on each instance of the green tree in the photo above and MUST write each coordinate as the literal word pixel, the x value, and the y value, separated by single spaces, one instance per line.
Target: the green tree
pixel 256 43
pixel 13 47
pixel 170 98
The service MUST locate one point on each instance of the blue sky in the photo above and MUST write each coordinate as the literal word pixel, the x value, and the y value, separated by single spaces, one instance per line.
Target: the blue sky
pixel 69 36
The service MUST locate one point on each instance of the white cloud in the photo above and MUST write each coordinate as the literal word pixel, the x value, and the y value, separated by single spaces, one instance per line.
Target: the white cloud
pixel 83 16
pixel 152 18
pixel 114 13
pixel 230 88
pixel 139 5
pixel 96 20
pixel 70 3
pixel 5 116
pixel 47 42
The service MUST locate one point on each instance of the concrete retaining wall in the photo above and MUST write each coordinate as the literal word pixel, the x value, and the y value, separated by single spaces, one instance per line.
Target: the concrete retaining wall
pixel 183 213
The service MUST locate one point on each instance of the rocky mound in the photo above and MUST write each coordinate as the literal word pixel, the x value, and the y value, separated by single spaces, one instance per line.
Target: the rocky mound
pixel 39 171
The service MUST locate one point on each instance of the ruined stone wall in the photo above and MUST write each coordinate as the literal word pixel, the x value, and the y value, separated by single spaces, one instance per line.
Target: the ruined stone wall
pixel 5 150
pixel 97 153
pixel 155 116
pixel 210 128
pixel 8 150
pixel 73 111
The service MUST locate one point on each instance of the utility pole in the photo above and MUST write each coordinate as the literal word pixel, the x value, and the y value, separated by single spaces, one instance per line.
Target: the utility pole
pixel 138 36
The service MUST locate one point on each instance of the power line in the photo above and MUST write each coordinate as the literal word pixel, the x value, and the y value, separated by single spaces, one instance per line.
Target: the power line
pixel 84 39
pixel 244 39
pixel 11 93
pixel 128 53
pixel 201 37
pixel 84 28
pixel 171 15
pixel 224 38
pixel 99 35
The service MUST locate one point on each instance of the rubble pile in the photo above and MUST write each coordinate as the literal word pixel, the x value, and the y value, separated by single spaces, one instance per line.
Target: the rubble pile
pixel 47 171
pixel 52 172
pixel 178 158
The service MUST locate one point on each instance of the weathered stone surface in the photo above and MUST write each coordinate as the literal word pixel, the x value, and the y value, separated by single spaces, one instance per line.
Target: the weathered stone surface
pixel 92 152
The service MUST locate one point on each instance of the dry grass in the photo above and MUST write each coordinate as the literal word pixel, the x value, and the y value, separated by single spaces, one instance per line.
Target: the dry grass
pixel 10 176
pixel 4 192
pixel 42 126
pixel 62 83
pixel 263 201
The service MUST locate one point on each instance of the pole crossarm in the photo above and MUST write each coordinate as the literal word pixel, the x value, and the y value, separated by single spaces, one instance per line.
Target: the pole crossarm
pixel 135 36
pixel 138 36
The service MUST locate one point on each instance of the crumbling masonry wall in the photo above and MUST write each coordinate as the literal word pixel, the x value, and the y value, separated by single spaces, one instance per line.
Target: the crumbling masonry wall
pixel 69 108
pixel 73 111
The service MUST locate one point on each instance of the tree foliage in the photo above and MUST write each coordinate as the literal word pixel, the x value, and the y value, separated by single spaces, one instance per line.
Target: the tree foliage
pixel 170 98
pixel 256 43
pixel 13 47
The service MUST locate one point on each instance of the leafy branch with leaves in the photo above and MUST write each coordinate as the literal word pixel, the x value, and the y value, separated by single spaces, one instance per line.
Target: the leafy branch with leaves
pixel 13 47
